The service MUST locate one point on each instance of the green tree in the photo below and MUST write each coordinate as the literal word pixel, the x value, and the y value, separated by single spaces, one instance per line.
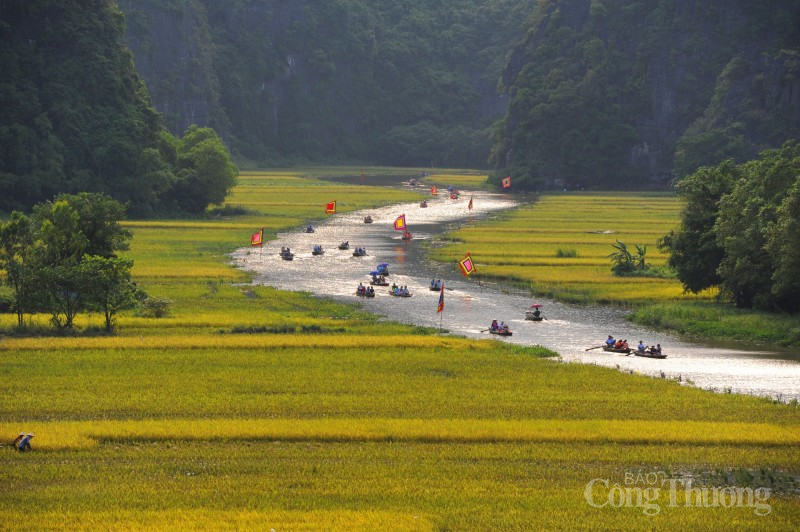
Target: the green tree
pixel 111 287
pixel 747 216
pixel 695 253
pixel 15 245
pixel 205 173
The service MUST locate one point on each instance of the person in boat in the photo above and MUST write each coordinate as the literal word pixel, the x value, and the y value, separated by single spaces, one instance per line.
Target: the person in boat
pixel 625 344
pixel 536 313
pixel 641 347
pixel 610 341
pixel 618 344
pixel 494 325
pixel 370 291
pixel 656 350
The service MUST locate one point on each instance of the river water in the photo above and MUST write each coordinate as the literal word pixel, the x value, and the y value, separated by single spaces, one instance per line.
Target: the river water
pixel 470 307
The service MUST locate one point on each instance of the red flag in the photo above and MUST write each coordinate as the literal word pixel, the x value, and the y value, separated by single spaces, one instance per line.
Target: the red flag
pixel 466 265
pixel 470 203
pixel 434 191
pixel 400 223
pixel 507 182
pixel 440 308
pixel 258 238
pixel 330 208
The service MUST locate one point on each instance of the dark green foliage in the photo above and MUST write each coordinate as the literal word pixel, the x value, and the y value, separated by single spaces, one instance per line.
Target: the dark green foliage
pixel 333 80
pixel 740 230
pixel 617 92
pixel 76 116
pixel 626 263
pixel 62 259
pixel 205 173
pixel 694 251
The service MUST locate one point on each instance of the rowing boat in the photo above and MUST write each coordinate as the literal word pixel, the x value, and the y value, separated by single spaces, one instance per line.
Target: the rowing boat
pixel 626 351
pixel 499 332
pixel 648 354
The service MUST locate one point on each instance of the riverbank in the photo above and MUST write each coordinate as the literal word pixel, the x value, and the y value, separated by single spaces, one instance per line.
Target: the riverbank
pixel 254 407
pixel 559 248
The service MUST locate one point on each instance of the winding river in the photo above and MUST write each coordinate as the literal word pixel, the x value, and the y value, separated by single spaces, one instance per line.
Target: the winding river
pixel 470 307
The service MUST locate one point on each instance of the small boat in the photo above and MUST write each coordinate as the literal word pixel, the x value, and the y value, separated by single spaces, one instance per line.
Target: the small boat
pixel 391 293
pixel 360 252
pixel 379 283
pixel 365 294
pixel 309 229
pixel 424 204
pixel 501 332
pixel 368 219
pixel 626 351
pixel 287 256
pixel 406 236
pixel 435 287
pixel 318 250
pixel 649 354
pixel 344 245
pixel 531 316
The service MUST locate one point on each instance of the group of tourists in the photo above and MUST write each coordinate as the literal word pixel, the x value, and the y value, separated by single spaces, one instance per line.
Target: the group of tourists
pixel 367 291
pixel 436 284
pixel 616 344
pixel 400 290
pixel 653 349
pixel 498 327
pixel 360 251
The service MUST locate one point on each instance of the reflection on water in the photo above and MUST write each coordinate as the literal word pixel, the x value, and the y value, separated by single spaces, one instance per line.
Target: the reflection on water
pixel 470 307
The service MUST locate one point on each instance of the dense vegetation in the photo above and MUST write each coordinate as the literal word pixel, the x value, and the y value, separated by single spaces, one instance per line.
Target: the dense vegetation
pixel 615 92
pixel 741 230
pixel 63 260
pixel 405 82
pixel 76 117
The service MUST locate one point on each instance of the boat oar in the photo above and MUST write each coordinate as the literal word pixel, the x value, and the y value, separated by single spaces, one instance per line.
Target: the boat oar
pixel 598 347
pixel 484 330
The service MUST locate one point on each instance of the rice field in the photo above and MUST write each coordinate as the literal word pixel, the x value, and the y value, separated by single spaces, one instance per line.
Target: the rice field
pixel 560 246
pixel 248 407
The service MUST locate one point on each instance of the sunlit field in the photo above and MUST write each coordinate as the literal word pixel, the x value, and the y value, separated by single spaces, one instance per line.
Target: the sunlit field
pixel 456 179
pixel 560 246
pixel 251 407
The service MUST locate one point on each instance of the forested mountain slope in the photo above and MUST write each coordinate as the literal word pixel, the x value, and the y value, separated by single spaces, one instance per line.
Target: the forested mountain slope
pixel 620 92
pixel 401 82
pixel 74 115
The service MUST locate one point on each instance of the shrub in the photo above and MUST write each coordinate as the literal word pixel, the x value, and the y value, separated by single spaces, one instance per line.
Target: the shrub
pixel 154 307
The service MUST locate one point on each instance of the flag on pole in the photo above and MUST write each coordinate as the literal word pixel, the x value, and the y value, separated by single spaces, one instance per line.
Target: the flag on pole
pixel 507 182
pixel 400 223
pixel 330 208
pixel 470 203
pixel 258 238
pixel 440 308
pixel 466 265
pixel 434 191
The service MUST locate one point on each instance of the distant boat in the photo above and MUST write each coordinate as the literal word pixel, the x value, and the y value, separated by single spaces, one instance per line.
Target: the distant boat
pixel 368 219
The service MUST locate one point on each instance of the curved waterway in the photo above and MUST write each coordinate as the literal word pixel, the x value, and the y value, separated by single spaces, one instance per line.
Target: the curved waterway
pixel 470 307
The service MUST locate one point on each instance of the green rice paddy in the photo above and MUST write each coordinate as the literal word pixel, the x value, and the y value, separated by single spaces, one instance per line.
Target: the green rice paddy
pixel 327 417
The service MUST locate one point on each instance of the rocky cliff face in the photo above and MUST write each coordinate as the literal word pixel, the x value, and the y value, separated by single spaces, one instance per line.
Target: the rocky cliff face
pixel 173 52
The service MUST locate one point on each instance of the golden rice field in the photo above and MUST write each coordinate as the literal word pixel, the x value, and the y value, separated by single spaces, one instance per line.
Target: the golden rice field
pixel 248 407
pixel 457 179
pixel 560 246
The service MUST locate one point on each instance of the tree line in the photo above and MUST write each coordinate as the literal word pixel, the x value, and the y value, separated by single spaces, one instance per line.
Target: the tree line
pixel 740 230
